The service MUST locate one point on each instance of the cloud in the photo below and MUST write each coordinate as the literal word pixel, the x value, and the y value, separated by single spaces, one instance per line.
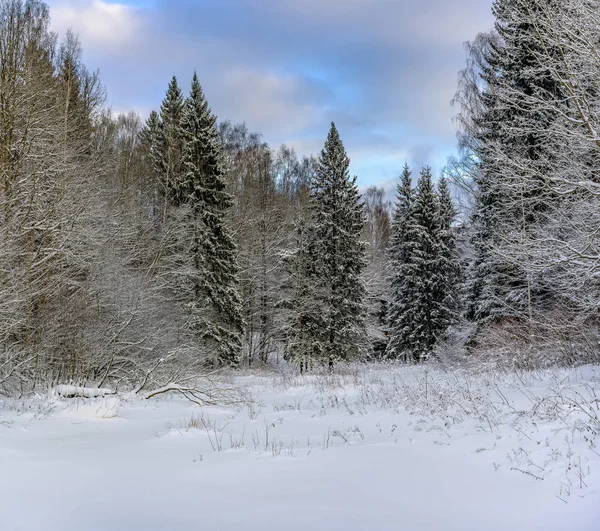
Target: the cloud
pixel 276 105
pixel 384 71
pixel 396 22
pixel 111 27
pixel 388 186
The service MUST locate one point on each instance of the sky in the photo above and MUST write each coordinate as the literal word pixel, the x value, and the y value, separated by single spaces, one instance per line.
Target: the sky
pixel 384 70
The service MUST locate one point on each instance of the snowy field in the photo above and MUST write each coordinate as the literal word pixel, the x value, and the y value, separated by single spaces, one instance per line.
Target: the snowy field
pixel 375 448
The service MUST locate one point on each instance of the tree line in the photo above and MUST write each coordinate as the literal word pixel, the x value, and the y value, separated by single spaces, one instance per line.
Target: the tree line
pixel 131 248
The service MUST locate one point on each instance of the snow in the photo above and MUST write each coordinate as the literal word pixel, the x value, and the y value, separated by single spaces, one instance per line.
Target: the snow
pixel 376 448
pixel 70 391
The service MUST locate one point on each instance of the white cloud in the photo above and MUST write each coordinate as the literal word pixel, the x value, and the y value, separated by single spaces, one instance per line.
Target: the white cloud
pixel 269 102
pixel 408 22
pixel 306 146
pixel 102 26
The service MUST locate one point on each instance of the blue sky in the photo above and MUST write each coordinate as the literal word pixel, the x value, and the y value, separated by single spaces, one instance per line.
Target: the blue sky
pixel 383 70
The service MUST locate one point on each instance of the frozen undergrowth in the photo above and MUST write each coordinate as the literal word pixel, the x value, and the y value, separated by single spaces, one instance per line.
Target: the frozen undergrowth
pixel 531 436
pixel 542 424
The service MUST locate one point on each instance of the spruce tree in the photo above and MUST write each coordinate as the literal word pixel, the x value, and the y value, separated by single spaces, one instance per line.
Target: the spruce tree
pixel 216 308
pixel 448 268
pixel 338 256
pixel 150 137
pixel 422 310
pixel 71 73
pixel 401 281
pixel 168 159
pixel 425 271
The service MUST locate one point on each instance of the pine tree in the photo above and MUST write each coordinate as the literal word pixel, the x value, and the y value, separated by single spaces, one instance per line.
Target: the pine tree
pixel 216 307
pixel 338 256
pixel 400 253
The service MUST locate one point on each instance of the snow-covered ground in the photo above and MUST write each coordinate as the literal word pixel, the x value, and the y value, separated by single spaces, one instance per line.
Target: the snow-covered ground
pixel 375 448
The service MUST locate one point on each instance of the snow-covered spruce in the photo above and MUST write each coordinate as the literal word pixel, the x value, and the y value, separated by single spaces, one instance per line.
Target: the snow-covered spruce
pixel 333 323
pixel 215 307
pixel 401 279
pixel 424 268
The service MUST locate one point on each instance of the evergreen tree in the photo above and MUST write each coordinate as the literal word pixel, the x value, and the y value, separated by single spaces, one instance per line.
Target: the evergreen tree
pixel 69 78
pixel 216 307
pixel 448 269
pixel 401 281
pixel 150 137
pixel 422 312
pixel 425 271
pixel 168 160
pixel 338 256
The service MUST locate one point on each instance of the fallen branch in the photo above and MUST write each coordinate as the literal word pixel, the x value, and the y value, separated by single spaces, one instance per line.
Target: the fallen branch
pixel 149 373
pixel 211 397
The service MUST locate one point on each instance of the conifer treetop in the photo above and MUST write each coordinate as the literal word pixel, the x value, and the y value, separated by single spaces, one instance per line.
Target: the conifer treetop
pixel 172 103
pixel 334 160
